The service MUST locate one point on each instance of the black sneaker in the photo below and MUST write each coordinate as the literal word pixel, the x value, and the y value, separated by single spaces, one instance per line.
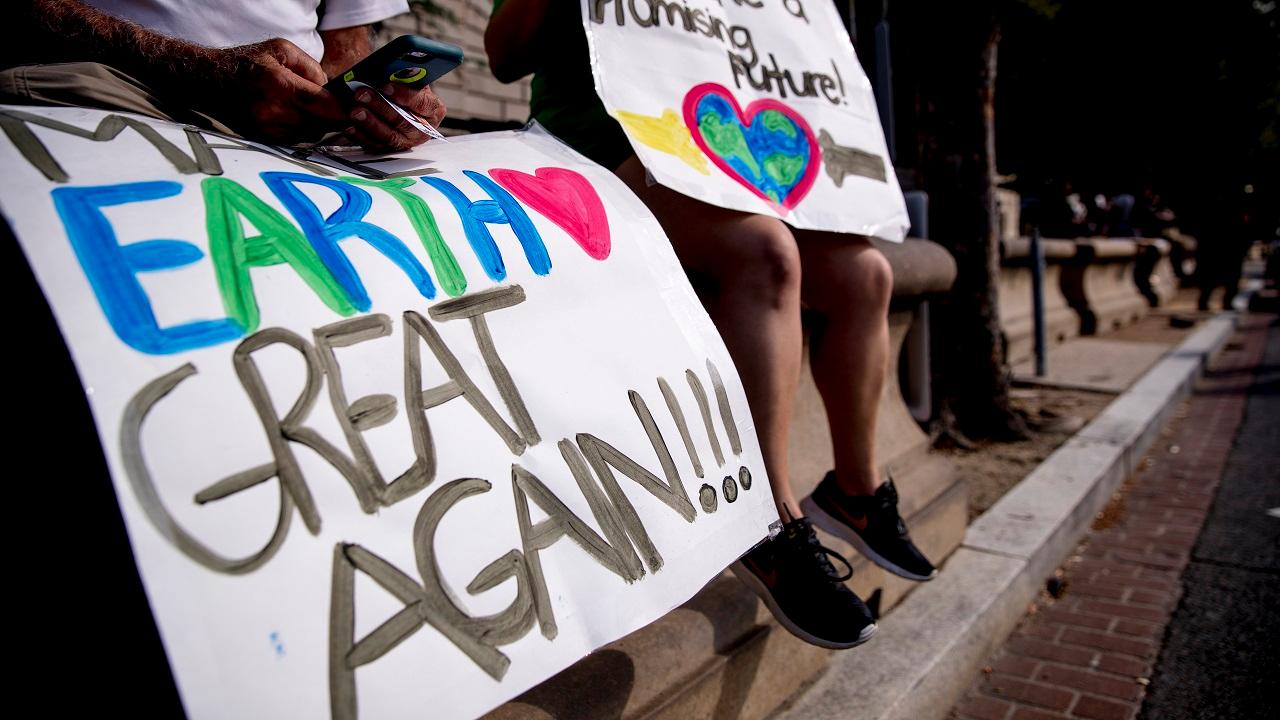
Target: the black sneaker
pixel 799 585
pixel 871 524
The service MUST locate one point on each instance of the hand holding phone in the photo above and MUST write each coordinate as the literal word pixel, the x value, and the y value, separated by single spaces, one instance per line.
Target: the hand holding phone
pixel 388 92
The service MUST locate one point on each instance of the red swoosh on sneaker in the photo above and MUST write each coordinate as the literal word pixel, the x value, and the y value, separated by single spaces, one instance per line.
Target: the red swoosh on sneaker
pixel 859 522
pixel 768 577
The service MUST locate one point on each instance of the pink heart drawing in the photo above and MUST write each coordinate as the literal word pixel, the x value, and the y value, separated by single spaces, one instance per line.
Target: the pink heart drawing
pixel 768 148
pixel 567 199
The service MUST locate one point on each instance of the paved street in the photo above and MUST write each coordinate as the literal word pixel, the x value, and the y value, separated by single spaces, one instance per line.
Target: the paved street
pixel 1166 610
pixel 1220 657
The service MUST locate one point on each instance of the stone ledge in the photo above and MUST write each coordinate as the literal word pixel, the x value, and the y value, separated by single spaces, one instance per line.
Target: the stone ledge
pixel 1015 304
pixel 1099 284
pixel 1016 252
pixel 920 267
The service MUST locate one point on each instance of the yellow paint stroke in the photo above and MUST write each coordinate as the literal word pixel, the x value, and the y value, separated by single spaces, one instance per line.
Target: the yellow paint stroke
pixel 666 133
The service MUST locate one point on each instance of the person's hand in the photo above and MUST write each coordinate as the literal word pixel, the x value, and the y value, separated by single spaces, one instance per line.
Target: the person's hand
pixel 378 127
pixel 424 103
pixel 273 91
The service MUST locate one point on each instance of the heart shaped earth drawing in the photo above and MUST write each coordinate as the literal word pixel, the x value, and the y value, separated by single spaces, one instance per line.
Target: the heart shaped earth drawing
pixel 768 148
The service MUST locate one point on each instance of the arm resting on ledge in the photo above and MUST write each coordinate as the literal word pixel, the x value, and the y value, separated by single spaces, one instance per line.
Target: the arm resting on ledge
pixel 271 90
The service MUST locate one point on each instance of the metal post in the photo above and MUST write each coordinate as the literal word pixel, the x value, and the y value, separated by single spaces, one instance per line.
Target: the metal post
pixel 916 379
pixel 884 84
pixel 1037 300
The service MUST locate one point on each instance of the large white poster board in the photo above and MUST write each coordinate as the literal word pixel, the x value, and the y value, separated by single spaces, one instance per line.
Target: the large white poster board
pixel 398 437
pixel 752 105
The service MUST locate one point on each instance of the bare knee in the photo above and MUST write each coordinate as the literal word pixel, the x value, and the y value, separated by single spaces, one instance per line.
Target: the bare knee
pixel 872 278
pixel 762 263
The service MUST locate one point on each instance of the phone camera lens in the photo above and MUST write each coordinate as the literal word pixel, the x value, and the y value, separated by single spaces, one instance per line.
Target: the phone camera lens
pixel 408 74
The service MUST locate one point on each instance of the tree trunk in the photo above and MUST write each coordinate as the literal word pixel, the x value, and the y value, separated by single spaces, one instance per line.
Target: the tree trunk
pixel 959 172
pixel 1000 420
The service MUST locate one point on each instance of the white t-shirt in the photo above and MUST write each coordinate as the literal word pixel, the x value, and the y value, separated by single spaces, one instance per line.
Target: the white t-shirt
pixel 227 23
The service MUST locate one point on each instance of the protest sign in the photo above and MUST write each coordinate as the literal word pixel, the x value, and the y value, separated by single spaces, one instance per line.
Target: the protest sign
pixel 400 436
pixel 752 105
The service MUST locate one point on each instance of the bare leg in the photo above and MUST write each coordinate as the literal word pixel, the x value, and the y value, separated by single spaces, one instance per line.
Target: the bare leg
pixel 753 265
pixel 849 283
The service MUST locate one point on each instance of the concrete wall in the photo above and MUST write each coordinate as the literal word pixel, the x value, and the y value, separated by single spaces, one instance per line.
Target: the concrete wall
pixel 470 92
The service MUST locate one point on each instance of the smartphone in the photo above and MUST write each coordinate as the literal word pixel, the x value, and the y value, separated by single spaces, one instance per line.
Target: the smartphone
pixel 409 60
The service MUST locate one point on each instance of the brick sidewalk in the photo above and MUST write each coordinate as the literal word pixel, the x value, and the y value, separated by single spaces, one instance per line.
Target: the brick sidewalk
pixel 1089 653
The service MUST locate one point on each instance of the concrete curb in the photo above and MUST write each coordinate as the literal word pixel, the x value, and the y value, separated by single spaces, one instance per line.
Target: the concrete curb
pixel 923 659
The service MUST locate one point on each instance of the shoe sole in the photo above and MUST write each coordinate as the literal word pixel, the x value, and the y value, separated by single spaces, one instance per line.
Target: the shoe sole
pixel 750 580
pixel 832 525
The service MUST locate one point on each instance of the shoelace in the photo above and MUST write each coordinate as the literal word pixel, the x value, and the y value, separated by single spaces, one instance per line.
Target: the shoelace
pixel 821 553
pixel 888 502
pixel 887 493
pixel 824 552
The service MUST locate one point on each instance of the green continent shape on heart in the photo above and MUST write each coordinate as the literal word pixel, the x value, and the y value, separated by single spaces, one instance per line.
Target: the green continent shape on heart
pixel 726 140
pixel 775 121
pixel 784 169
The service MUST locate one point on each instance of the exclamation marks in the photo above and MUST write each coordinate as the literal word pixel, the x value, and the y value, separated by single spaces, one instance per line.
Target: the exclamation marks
pixel 673 405
pixel 708 497
pixel 701 396
pixel 726 414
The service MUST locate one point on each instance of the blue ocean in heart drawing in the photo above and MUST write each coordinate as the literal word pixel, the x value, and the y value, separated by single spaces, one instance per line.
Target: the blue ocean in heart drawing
pixel 771 151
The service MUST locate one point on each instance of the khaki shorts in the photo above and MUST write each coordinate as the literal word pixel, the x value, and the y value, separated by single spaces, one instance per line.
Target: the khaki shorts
pixel 85 84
